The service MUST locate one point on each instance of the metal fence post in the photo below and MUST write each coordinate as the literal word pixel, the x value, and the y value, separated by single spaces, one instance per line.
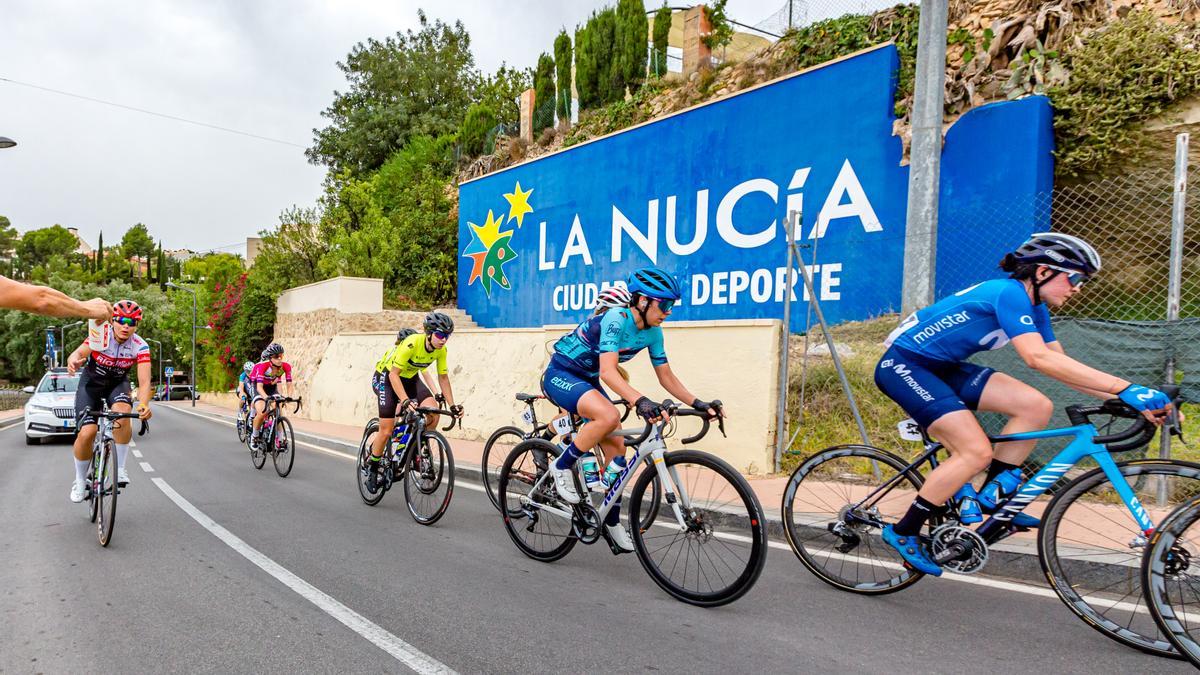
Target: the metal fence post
pixel 1175 278
pixel 785 343
pixel 920 235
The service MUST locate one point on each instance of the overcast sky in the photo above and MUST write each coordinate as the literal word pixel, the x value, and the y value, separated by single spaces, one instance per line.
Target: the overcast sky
pixel 267 67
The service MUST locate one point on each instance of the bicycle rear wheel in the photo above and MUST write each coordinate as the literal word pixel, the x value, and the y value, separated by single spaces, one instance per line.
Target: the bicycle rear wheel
pixel 429 482
pixel 834 532
pixel 1171 579
pixel 540 534
pixel 1091 548
pixel 361 468
pixel 283 447
pixel 107 494
pixel 718 552
pixel 243 428
pixel 495 451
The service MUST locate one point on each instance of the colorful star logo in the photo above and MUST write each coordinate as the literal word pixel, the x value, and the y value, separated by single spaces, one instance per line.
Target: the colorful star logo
pixel 490 251
pixel 518 204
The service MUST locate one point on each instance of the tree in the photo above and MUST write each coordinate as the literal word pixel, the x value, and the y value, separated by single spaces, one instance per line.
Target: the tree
pixel 480 121
pixel 633 33
pixel 290 254
pixel 543 87
pixel 408 84
pixel 163 273
pixel 586 84
pixel 722 31
pixel 610 78
pixel 38 247
pixel 100 253
pixel 662 31
pixel 562 59
pixel 138 244
pixel 8 237
pixel 501 92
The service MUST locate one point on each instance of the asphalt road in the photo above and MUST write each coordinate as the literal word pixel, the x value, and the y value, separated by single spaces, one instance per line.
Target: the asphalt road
pixel 217 567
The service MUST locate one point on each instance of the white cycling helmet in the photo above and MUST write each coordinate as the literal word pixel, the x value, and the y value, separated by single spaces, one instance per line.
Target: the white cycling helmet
pixel 613 296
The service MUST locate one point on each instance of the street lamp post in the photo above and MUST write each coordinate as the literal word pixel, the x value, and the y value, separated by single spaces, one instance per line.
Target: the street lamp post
pixel 171 284
pixel 62 338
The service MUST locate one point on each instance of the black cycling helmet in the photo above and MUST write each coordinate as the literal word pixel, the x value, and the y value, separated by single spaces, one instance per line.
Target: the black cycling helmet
pixel 273 349
pixel 438 322
pixel 404 333
pixel 1056 251
pixel 653 282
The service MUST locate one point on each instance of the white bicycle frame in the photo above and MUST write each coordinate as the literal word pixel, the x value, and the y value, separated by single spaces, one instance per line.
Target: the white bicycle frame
pixel 656 448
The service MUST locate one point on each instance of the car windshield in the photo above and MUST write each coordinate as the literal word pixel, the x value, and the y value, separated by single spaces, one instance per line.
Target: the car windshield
pixel 58 383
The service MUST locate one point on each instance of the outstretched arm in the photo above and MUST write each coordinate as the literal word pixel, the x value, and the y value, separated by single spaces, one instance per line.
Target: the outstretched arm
pixel 49 302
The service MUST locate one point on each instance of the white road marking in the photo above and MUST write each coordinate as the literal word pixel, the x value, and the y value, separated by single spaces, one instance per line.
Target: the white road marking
pixel 147 468
pixel 137 453
pixel 373 633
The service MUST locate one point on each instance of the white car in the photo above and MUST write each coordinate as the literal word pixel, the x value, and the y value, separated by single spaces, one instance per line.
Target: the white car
pixel 50 412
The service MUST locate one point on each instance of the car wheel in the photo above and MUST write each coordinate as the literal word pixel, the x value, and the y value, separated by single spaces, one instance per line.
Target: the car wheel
pixel 32 440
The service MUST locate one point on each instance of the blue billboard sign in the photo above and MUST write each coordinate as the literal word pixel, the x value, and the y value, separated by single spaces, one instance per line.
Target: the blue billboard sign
pixel 705 194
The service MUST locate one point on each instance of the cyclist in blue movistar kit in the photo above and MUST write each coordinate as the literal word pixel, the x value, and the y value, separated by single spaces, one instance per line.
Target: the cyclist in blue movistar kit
pixel 589 355
pixel 925 371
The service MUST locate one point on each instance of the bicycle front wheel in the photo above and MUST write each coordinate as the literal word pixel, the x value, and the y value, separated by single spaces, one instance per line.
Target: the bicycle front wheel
pixel 495 451
pixel 243 428
pixel 717 552
pixel 106 495
pixel 362 468
pixel 283 447
pixel 93 503
pixel 1091 548
pixel 834 507
pixel 429 483
pixel 1171 579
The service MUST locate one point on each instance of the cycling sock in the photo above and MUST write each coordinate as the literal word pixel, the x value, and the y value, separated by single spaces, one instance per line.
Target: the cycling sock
pixel 996 468
pixel 373 458
pixel 614 515
pixel 568 458
pixel 918 513
pixel 81 468
pixel 122 450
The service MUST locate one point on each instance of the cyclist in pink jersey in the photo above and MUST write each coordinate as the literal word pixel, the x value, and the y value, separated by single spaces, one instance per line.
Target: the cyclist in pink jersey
pixel 265 379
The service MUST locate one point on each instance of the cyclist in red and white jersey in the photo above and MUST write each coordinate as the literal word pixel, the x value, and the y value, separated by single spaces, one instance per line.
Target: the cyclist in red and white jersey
pixel 105 377
pixel 265 378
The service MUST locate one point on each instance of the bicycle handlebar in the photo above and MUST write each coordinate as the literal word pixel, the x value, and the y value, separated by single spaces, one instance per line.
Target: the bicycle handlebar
pixel 1137 434
pixel 288 399
pixel 142 430
pixel 675 410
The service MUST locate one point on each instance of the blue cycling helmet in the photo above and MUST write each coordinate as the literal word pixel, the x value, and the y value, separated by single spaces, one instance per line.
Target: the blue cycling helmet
pixel 654 282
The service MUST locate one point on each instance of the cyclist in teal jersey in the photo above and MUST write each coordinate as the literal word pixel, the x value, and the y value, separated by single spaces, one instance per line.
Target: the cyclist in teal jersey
pixel 590 354
pixel 925 371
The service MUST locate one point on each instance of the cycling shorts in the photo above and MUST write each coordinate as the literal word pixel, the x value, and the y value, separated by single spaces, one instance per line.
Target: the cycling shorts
pixel 564 386
pixel 91 391
pixel 927 389
pixel 270 389
pixel 387 397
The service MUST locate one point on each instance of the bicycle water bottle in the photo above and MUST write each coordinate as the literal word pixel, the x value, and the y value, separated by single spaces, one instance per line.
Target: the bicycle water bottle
pixel 591 470
pixel 98 335
pixel 614 470
pixel 968 504
pixel 401 435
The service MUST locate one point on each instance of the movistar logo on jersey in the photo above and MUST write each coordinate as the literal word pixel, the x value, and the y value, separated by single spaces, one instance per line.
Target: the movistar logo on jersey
pixel 939 325
pixel 905 374
pixel 491 248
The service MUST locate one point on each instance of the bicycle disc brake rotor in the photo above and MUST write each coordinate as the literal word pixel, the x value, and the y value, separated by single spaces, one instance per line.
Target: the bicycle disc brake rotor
pixel 1178 561
pixel 586 524
pixel 974 553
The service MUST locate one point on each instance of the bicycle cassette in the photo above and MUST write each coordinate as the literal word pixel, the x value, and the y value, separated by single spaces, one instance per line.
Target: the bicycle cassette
pixel 966 551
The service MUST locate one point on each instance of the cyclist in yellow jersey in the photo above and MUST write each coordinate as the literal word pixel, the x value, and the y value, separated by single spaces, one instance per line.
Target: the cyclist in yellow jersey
pixel 397 372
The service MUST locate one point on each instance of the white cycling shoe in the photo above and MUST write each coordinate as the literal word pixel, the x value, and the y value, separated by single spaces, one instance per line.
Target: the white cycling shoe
pixel 78 491
pixel 564 482
pixel 620 537
pixel 122 477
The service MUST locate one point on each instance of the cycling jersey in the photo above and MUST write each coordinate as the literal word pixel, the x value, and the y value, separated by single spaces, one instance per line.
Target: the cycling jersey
pixel 612 331
pixel 111 365
pixel 411 357
pixel 244 384
pixel 982 317
pixel 266 374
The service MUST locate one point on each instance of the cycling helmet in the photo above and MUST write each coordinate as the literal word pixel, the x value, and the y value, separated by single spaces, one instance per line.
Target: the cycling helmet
pixel 248 367
pixel 438 322
pixel 404 333
pixel 656 283
pixel 127 309
pixel 273 349
pixel 613 296
pixel 1058 250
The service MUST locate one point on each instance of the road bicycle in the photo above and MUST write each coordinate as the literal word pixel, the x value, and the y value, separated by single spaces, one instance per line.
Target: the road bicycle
pixel 707 545
pixel 1171 581
pixel 1090 541
pixel 244 419
pixel 275 437
pixel 504 439
pixel 102 484
pixel 416 455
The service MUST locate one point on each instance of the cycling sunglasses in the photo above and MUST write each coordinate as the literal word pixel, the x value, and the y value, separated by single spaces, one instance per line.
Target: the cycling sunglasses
pixel 125 320
pixel 666 305
pixel 441 336
pixel 1074 278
